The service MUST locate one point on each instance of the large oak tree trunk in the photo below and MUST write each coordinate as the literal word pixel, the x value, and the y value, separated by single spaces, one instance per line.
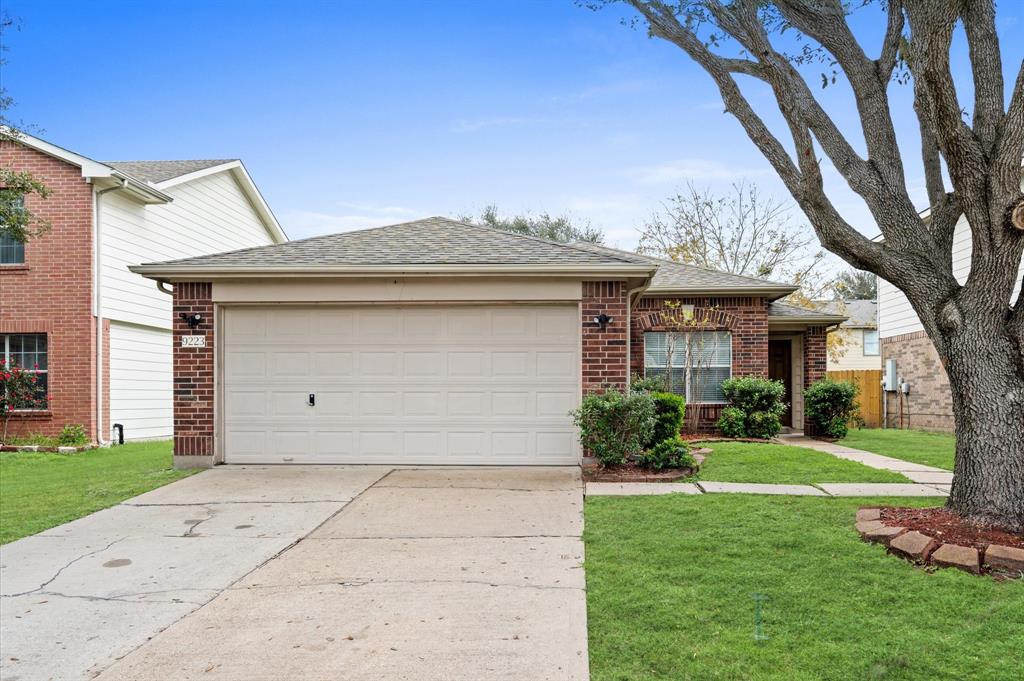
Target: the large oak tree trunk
pixel 986 376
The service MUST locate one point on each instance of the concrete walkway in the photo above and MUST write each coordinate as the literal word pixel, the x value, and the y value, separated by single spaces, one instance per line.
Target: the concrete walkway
pixel 308 572
pixel 915 472
pixel 927 481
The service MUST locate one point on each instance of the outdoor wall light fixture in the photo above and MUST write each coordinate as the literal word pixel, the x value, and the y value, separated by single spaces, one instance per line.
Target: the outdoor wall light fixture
pixel 603 320
pixel 193 320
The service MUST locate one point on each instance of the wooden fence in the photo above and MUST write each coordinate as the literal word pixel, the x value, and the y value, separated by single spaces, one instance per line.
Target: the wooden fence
pixel 869 395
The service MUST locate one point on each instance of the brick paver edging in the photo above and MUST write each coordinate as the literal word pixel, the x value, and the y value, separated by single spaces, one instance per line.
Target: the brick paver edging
pixel 52 450
pixel 925 550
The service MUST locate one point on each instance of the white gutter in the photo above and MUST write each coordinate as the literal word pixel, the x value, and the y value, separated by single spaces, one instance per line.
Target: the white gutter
pixel 199 273
pixel 98 286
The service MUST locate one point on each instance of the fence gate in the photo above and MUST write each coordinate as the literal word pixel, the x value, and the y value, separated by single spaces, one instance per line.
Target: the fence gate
pixel 869 394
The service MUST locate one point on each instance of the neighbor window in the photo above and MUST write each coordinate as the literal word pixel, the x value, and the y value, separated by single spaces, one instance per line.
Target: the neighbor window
pixel 28 351
pixel 870 342
pixel 12 251
pixel 693 363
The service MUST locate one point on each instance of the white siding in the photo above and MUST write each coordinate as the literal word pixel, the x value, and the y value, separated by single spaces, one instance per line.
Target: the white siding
pixel 897 317
pixel 853 358
pixel 140 381
pixel 208 215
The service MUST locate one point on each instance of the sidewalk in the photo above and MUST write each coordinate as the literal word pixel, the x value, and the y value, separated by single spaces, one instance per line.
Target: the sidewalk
pixel 927 481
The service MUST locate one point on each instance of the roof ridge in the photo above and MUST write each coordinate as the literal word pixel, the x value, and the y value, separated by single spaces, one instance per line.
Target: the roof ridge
pixel 562 244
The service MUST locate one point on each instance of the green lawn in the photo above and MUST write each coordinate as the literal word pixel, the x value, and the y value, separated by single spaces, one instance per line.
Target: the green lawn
pixel 670 584
pixel 39 491
pixel 930 449
pixel 752 462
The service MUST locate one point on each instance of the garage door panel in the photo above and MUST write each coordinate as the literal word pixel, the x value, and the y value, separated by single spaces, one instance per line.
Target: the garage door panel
pixel 401 385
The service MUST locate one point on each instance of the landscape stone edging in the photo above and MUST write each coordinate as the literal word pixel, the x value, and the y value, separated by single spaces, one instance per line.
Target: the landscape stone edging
pixel 51 450
pixel 925 550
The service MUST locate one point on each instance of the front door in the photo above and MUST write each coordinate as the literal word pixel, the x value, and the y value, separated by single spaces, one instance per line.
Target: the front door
pixel 780 368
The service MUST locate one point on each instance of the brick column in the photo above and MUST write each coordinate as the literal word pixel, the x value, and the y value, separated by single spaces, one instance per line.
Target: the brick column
pixel 815 362
pixel 193 378
pixel 605 361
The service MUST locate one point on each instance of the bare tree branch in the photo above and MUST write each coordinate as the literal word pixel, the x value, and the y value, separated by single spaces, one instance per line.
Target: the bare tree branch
pixel 987 67
pixel 887 60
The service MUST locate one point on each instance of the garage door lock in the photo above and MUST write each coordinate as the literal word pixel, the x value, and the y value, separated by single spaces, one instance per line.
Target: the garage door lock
pixel 312 399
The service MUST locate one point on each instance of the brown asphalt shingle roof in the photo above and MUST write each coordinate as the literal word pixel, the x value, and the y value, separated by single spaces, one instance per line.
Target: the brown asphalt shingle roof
pixel 161 171
pixel 673 275
pixel 431 241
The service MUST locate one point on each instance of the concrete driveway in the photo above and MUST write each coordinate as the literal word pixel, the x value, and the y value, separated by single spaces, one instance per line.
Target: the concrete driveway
pixel 309 573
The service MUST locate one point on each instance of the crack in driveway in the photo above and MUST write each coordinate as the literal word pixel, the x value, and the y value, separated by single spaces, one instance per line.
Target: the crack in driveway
pixel 62 569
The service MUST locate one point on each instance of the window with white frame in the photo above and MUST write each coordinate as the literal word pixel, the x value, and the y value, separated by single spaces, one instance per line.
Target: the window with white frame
pixel 12 251
pixel 694 363
pixel 28 351
pixel 870 342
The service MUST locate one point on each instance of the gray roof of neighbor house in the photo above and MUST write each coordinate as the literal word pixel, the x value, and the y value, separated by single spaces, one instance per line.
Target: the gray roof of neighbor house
pixel 793 313
pixel 161 171
pixel 676 277
pixel 437 242
pixel 862 314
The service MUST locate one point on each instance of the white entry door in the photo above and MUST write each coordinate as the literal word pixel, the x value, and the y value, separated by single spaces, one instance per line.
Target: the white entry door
pixel 424 384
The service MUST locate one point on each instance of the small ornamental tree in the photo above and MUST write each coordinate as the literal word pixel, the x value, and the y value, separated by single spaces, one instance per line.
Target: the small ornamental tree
pixel 18 390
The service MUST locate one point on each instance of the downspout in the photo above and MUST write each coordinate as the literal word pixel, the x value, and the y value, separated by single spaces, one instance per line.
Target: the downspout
pixel 160 284
pixel 629 326
pixel 98 287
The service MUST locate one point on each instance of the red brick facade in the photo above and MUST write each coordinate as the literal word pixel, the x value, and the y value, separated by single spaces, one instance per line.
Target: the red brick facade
pixel 52 293
pixel 193 372
pixel 604 350
pixel 815 361
pixel 929 406
pixel 746 318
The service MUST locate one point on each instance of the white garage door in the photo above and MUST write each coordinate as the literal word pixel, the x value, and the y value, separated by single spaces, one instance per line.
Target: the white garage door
pixel 423 385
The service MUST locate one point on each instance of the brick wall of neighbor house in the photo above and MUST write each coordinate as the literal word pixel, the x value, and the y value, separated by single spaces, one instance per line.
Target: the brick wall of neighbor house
pixel 929 405
pixel 193 375
pixel 746 318
pixel 815 361
pixel 604 361
pixel 52 292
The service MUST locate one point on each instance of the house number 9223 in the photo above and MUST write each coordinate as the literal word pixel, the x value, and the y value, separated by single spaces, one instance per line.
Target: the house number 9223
pixel 193 341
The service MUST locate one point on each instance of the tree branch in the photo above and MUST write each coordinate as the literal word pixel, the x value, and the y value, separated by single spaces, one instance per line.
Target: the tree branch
pixel 979 17
pixel 886 62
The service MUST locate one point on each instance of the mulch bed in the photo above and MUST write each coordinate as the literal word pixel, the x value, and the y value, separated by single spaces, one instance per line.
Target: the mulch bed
pixel 631 472
pixel 949 528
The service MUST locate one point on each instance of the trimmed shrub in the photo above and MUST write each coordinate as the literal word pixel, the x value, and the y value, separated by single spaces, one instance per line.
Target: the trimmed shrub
pixel 614 426
pixel 755 407
pixel 647 384
pixel 670 453
pixel 829 405
pixel 763 424
pixel 669 410
pixel 72 435
pixel 731 422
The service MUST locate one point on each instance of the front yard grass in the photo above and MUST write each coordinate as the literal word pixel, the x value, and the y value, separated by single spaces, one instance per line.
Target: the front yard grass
pixel 39 491
pixel 784 464
pixel 930 449
pixel 671 579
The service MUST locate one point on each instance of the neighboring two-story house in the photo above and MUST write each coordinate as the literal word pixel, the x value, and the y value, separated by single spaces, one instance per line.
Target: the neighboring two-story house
pixel 928 403
pixel 99 334
pixel 856 346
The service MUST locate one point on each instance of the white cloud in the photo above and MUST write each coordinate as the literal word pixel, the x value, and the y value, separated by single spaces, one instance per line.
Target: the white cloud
pixel 478 124
pixel 698 169
pixel 300 224
pixel 618 215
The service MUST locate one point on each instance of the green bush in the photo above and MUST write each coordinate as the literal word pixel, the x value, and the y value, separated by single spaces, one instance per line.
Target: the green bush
pixel 647 384
pixel 829 405
pixel 670 453
pixel 72 435
pixel 615 426
pixel 763 424
pixel 669 410
pixel 731 423
pixel 755 407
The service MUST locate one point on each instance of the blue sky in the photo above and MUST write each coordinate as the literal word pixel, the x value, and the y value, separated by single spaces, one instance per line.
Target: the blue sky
pixel 356 114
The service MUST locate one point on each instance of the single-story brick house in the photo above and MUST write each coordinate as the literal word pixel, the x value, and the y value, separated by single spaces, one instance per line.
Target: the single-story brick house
pixel 441 342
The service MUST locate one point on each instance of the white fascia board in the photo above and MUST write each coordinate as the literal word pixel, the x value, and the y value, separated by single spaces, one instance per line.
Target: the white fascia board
pixel 252 192
pixel 193 273
pixel 773 293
